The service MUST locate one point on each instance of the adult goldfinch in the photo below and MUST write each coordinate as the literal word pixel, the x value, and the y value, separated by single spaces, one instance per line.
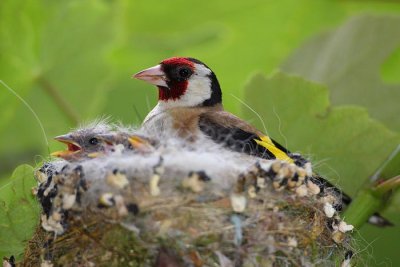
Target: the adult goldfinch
pixel 190 106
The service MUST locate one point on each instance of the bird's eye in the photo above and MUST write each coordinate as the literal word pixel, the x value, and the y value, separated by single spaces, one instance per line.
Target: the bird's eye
pixel 185 72
pixel 93 141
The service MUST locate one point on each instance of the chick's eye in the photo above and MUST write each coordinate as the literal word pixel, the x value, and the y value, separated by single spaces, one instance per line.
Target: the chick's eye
pixel 184 72
pixel 93 141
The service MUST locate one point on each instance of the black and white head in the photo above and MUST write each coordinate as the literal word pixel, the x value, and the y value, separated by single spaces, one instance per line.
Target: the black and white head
pixel 183 82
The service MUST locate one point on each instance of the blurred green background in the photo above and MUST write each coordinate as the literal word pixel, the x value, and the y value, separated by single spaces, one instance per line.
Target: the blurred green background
pixel 72 62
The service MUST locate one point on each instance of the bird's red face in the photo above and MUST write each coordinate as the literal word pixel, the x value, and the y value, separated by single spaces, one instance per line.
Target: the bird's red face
pixel 183 82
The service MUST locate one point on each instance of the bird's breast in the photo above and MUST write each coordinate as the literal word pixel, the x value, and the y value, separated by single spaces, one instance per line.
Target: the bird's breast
pixel 157 125
pixel 178 122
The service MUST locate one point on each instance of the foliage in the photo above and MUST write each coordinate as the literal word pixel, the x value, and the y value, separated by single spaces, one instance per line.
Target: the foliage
pixel 19 212
pixel 349 59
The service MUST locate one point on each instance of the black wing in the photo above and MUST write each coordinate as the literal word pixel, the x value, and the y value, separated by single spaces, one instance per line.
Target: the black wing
pixel 234 138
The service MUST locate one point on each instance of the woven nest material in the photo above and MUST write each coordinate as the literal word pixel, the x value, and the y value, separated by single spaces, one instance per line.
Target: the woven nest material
pixel 185 205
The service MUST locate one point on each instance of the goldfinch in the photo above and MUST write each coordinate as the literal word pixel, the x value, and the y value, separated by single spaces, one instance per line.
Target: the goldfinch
pixel 190 106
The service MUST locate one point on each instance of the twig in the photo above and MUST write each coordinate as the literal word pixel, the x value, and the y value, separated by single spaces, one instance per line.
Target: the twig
pixel 58 98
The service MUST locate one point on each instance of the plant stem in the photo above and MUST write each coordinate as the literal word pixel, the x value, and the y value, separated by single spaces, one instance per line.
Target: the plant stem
pixel 362 207
pixel 387 185
pixel 369 201
pixel 59 99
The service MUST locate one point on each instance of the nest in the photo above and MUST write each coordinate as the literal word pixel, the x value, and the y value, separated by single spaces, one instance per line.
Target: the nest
pixel 180 204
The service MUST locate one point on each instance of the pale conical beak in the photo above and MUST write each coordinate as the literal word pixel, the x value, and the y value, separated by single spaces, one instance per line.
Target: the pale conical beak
pixel 154 75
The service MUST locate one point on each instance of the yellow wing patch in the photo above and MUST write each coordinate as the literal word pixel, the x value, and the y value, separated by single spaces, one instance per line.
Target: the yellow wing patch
pixel 267 143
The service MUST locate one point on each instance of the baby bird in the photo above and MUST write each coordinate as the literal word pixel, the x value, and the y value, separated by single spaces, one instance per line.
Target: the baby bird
pixel 128 141
pixel 83 143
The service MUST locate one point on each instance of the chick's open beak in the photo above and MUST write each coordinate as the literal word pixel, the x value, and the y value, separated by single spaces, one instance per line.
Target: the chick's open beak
pixel 154 75
pixel 72 146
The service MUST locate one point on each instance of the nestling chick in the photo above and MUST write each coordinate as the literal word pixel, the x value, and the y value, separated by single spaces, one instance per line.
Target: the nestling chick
pixel 129 141
pixel 83 143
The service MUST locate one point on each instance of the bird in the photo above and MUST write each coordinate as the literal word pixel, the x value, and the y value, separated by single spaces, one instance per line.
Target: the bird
pixel 83 143
pixel 130 141
pixel 98 140
pixel 190 107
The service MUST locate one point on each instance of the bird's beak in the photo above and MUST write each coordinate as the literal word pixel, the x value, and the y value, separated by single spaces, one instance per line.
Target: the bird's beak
pixel 72 146
pixel 154 75
pixel 140 144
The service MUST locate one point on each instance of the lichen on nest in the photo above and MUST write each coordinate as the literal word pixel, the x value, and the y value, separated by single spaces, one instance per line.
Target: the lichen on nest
pixel 182 204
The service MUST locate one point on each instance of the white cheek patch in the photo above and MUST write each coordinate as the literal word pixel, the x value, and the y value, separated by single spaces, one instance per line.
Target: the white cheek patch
pixel 197 92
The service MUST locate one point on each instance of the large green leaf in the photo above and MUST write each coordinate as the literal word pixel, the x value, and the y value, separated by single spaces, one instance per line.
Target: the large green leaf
pixel 344 143
pixel 53 54
pixel 19 212
pixel 391 68
pixel 349 61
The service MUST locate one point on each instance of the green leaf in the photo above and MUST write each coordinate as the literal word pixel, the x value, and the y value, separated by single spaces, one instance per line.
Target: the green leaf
pixel 53 54
pixel 394 208
pixel 344 143
pixel 19 212
pixel 389 168
pixel 349 61
pixel 391 68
